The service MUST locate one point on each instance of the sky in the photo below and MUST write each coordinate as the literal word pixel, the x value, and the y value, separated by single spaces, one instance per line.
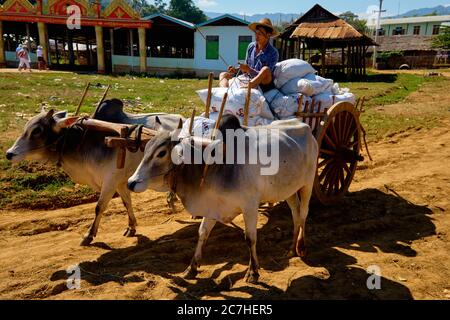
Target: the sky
pixel 362 7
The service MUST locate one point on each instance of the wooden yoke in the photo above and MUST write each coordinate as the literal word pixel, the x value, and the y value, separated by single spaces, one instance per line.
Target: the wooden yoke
pixel 124 141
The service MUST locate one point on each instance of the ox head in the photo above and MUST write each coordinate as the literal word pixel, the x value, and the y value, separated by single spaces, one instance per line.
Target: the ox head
pixel 40 132
pixel 162 153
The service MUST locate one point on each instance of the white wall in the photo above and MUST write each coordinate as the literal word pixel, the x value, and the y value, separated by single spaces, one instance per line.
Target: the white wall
pixel 228 46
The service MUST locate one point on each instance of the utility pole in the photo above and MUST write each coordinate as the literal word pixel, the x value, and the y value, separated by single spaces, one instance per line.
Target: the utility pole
pixel 380 10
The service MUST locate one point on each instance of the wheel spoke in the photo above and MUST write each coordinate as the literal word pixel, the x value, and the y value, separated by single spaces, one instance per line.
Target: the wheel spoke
pixel 326 183
pixel 342 119
pixel 324 172
pixel 331 182
pixel 324 162
pixel 329 152
pixel 327 138
pixel 348 127
pixel 333 131
pixel 352 131
pixel 341 176
pixel 346 168
pixel 354 143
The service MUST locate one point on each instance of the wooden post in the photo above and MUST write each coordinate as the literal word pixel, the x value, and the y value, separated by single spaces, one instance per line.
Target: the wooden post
pixel 300 104
pixel 100 49
pixel 2 47
pixel 142 50
pixel 213 136
pixel 191 124
pixel 322 68
pixel 222 107
pixel 111 42
pixel 101 100
pixel 42 30
pixel 82 99
pixel 247 105
pixel 209 96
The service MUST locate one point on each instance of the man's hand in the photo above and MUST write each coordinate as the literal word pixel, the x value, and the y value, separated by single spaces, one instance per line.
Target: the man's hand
pixel 231 69
pixel 244 67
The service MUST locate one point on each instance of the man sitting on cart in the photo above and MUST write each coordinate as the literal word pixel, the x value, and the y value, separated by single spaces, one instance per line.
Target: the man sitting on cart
pixel 260 61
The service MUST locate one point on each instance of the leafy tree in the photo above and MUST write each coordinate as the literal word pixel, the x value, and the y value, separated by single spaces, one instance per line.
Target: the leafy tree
pixel 443 39
pixel 146 9
pixel 353 20
pixel 186 10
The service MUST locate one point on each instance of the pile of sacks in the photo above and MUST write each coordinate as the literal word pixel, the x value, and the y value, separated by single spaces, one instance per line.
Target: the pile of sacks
pixel 293 78
pixel 259 110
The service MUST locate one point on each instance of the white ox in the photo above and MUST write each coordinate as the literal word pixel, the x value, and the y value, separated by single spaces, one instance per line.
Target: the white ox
pixel 231 189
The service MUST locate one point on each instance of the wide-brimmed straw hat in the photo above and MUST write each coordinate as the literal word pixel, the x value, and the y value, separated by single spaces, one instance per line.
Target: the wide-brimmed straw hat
pixel 265 22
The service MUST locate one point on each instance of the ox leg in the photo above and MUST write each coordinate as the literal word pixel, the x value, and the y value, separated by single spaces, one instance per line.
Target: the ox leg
pixel 305 196
pixel 105 196
pixel 203 234
pixel 251 220
pixel 126 199
pixel 294 204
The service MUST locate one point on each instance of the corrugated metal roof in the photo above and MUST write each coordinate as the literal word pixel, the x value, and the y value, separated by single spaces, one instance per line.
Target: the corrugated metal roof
pixel 387 21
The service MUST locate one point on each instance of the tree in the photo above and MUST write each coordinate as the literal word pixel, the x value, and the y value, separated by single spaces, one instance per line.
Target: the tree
pixel 186 10
pixel 352 19
pixel 146 9
pixel 442 40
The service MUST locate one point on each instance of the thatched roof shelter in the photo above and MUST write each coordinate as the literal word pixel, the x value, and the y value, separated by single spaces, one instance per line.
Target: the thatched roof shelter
pixel 318 31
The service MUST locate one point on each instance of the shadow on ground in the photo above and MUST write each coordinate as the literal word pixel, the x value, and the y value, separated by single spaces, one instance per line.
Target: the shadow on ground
pixel 367 221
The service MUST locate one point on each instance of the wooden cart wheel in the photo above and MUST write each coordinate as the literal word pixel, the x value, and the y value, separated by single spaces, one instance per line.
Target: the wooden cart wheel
pixel 338 138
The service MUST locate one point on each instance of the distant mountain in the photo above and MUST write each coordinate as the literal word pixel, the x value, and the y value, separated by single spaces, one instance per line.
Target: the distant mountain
pixel 276 18
pixel 439 10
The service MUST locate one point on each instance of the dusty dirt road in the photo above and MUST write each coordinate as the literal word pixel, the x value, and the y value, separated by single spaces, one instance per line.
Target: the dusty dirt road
pixel 396 217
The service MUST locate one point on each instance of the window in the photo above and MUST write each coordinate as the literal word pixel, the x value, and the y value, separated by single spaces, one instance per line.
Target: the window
pixel 416 30
pixel 244 41
pixel 212 47
pixel 436 29
pixel 398 31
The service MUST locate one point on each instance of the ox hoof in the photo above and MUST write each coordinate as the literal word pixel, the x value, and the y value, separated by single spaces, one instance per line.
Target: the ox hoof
pixel 291 254
pixel 129 232
pixel 86 241
pixel 251 277
pixel 301 249
pixel 190 273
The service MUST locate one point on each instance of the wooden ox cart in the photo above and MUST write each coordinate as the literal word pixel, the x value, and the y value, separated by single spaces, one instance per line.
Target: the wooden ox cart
pixel 337 129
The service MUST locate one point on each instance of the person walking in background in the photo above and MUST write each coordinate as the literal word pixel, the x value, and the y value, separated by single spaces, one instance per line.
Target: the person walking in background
pixel 40 58
pixel 24 58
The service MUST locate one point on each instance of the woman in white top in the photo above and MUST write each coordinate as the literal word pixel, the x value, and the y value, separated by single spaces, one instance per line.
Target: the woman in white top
pixel 24 58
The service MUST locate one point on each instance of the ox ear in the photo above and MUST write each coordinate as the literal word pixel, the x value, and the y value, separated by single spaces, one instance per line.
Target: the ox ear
pixel 175 134
pixel 158 124
pixel 60 115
